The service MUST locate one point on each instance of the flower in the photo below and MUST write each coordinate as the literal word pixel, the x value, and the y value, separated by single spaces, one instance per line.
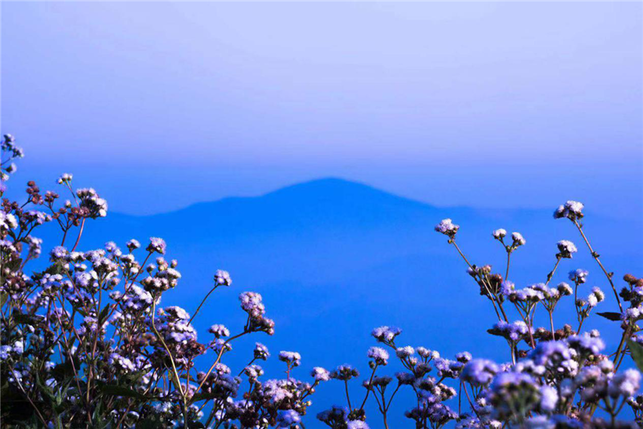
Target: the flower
pixel 385 334
pixel 571 209
pixel 293 359
pixel 463 357
pixel 356 424
pixel 578 276
pixel 624 384
pixel 512 392
pixel 564 289
pixel 344 372
pixel 156 245
pixel 133 244
pixel 514 332
pixel 222 278
pixel 518 240
pixel 566 248
pixel 548 398
pixel 89 200
pixel 447 227
pixel 65 178
pixel 379 355
pixel 334 416
pixel 219 331
pixel 320 374
pixel 404 352
pixel 479 372
pixel 288 418
pixel 261 352
pixel 499 234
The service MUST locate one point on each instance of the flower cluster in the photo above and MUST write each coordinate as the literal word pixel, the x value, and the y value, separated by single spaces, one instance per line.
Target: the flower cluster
pixel 556 377
pixel 448 228
pixel 85 342
pixel 572 210
pixel 89 341
pixel 8 153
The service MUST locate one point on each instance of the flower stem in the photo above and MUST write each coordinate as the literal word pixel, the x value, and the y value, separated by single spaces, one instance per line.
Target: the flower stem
pixel 596 257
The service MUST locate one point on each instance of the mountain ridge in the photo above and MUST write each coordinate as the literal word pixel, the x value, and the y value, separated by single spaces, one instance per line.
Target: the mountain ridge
pixel 336 186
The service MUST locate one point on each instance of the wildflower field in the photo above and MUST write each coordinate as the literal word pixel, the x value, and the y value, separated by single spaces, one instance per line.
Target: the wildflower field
pixel 90 341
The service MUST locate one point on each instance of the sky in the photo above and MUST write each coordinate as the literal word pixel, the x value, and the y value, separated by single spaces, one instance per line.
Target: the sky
pixel 160 105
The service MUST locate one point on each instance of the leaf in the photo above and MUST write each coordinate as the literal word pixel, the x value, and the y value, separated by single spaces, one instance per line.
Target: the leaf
pixel 205 396
pixel 27 319
pixel 611 316
pixel 636 350
pixel 147 424
pixel 56 268
pixel 3 298
pixel 14 264
pixel 103 315
pixel 115 390
pixel 65 369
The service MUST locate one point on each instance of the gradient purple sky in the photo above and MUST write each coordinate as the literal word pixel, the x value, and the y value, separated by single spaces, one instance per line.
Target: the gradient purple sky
pixel 159 105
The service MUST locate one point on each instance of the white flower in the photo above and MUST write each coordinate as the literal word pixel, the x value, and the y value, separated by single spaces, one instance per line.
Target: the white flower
pixel 499 233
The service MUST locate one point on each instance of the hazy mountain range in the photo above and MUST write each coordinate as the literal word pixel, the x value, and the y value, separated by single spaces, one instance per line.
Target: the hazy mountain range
pixel 334 259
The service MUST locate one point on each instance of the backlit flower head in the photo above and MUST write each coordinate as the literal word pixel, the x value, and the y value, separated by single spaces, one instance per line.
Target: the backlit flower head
pixel 447 227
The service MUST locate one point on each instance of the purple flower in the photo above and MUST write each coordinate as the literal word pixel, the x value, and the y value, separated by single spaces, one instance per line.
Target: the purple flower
pixel 385 334
pixel 222 278
pixel 379 355
pixel 571 209
pixel 578 276
pixel 261 352
pixel 288 418
pixel 624 384
pixel 447 227
pixel 320 374
pixel 219 331
pixel 479 372
pixel 156 245
pixel 293 359
pixel 566 248
pixel 356 424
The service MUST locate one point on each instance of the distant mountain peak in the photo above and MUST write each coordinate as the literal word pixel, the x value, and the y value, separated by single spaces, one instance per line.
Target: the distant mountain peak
pixel 325 184
pixel 335 190
pixel 329 193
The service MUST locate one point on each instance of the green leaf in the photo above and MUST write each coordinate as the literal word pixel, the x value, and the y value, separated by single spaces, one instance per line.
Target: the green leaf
pixel 147 424
pixel 3 298
pixel 14 264
pixel 56 268
pixel 115 390
pixel 66 369
pixel 103 314
pixel 636 350
pixel 204 396
pixel 611 316
pixel 27 319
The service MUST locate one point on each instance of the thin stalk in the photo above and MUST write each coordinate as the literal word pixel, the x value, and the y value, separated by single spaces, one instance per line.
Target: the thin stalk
pixel 80 233
pixel 202 302
pixel 600 264
pixel 218 359
pixel 551 273
pixel 493 302
pixel 348 398
pixel 177 381
pixel 368 391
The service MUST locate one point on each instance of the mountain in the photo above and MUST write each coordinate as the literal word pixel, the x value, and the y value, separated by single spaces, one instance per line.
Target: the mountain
pixel 334 259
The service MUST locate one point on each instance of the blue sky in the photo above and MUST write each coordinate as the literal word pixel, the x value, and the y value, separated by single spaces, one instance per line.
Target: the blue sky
pixel 159 105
